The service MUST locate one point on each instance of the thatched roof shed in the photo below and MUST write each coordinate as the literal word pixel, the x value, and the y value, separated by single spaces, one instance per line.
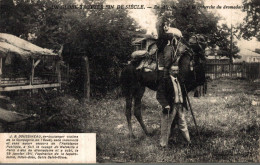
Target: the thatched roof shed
pixel 10 44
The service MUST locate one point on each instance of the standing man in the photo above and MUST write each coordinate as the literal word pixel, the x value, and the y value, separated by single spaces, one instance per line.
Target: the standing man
pixel 165 88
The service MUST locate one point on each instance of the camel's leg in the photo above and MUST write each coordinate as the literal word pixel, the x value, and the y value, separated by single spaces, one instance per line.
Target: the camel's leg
pixel 204 88
pixel 200 90
pixel 128 114
pixel 196 93
pixel 137 108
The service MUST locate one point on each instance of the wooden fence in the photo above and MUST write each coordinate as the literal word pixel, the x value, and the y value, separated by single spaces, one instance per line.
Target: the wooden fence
pixel 250 71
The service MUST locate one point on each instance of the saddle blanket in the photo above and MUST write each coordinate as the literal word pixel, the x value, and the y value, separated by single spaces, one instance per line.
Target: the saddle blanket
pixel 177 90
pixel 150 66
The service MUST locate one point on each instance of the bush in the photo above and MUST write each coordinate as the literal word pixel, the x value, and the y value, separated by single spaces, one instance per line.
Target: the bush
pixel 55 113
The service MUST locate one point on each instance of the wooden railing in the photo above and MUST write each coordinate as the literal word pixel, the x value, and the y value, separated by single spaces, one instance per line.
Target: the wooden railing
pixel 249 71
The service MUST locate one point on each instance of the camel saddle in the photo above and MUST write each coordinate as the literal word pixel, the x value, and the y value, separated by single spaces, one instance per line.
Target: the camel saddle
pixel 146 59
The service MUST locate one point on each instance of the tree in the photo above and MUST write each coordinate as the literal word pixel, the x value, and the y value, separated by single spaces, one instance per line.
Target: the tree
pixel 191 18
pixel 222 38
pixel 9 23
pixel 251 26
pixel 188 18
pixel 103 35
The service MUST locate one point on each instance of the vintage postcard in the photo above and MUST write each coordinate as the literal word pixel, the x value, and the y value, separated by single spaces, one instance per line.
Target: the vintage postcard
pixel 129 81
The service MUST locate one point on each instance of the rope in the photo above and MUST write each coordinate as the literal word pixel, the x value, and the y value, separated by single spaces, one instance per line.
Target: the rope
pixel 178 43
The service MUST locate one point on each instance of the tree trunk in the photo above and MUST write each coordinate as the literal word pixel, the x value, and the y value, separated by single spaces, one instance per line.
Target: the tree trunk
pixel 86 78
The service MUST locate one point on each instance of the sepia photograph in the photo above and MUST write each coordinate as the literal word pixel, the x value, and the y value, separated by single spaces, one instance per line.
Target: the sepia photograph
pixel 129 81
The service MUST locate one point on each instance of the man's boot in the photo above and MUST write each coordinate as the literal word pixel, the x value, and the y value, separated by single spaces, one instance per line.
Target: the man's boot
pixel 166 122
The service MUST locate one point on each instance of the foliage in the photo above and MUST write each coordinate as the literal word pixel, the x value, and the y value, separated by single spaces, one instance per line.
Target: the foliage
pixel 54 112
pixel 106 43
pixel 103 35
pixel 222 38
pixel 191 18
pixel 251 26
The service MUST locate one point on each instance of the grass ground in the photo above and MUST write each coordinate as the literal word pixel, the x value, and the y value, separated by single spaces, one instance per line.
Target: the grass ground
pixel 228 118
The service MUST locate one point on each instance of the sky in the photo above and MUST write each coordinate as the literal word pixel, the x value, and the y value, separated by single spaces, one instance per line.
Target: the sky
pixel 234 16
pixel 144 17
pixel 147 19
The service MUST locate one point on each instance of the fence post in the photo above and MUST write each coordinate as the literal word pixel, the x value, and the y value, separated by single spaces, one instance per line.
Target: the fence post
pixel 244 69
pixel 58 68
pixel 32 73
pixel 230 69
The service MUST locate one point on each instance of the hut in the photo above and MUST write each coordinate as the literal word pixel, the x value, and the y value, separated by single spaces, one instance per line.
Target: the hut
pixel 142 42
pixel 24 65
